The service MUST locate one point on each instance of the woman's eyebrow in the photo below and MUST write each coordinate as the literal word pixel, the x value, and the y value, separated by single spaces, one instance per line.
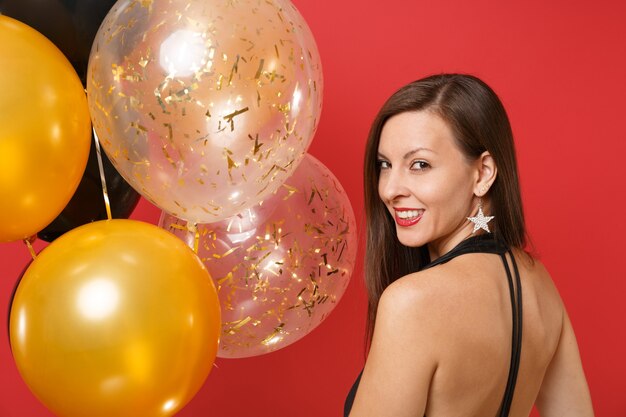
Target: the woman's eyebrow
pixel 416 150
pixel 409 153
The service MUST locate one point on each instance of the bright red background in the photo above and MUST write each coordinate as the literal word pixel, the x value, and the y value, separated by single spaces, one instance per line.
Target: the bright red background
pixel 560 69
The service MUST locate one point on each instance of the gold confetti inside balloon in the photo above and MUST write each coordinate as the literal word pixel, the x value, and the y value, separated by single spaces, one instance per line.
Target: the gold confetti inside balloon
pixel 205 106
pixel 115 318
pixel 280 267
pixel 45 132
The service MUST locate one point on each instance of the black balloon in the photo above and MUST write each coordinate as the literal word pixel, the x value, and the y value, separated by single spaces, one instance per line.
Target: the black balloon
pixel 88 205
pixel 72 26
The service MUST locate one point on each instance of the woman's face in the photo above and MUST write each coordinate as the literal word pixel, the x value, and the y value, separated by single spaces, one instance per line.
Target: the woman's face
pixel 425 181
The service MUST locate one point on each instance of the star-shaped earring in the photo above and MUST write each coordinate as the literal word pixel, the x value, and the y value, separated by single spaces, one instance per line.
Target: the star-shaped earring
pixel 480 220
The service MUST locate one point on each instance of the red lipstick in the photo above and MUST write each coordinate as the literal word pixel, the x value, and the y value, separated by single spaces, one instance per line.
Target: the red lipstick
pixel 410 221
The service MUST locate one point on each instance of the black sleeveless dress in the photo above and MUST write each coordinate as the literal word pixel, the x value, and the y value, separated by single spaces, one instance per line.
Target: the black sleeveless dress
pixel 483 244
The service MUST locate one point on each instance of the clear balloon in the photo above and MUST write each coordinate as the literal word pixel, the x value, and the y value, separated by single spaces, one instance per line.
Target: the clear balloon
pixel 115 318
pixel 45 131
pixel 205 107
pixel 281 266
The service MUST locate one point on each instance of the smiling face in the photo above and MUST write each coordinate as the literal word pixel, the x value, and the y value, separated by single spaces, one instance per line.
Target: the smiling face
pixel 426 182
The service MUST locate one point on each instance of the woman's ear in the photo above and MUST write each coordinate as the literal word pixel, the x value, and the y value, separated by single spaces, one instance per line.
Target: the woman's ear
pixel 487 172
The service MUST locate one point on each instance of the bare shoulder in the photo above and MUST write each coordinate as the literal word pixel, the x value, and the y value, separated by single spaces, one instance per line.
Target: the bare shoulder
pixel 399 355
pixel 421 295
pixel 530 263
pixel 539 286
pixel 414 291
pixel 534 267
pixel 416 285
pixel 416 307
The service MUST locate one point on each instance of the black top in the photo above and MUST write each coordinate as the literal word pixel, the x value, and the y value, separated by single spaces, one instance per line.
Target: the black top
pixel 483 244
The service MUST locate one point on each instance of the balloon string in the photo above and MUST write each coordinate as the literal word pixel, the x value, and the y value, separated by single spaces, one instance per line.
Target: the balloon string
pixel 102 179
pixel 28 242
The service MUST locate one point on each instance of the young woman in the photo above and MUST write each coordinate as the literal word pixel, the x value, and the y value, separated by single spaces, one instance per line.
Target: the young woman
pixel 462 321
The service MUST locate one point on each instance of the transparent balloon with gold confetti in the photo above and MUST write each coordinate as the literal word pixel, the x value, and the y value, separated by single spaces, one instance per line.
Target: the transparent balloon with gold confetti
pixel 205 106
pixel 281 266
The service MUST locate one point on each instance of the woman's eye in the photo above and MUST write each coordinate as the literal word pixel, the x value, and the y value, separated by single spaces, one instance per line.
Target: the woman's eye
pixel 420 165
pixel 383 164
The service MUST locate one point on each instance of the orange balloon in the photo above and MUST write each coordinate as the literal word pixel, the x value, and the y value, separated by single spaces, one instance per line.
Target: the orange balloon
pixel 115 318
pixel 45 132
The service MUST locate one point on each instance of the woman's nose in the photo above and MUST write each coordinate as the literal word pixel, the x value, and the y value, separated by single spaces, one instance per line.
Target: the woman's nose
pixel 392 185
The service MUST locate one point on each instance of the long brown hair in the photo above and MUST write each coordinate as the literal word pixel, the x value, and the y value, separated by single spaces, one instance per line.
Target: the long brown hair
pixel 479 123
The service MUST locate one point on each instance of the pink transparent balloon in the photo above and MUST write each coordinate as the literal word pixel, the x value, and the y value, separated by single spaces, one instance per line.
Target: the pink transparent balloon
pixel 205 106
pixel 281 266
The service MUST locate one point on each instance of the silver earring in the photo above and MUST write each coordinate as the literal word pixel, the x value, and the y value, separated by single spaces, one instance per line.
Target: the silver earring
pixel 480 220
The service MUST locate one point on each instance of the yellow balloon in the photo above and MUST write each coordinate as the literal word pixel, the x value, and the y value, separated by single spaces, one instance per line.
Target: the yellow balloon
pixel 115 318
pixel 45 131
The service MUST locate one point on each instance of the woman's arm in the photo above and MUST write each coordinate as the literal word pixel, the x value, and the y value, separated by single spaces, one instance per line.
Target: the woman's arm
pixel 564 391
pixel 402 360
